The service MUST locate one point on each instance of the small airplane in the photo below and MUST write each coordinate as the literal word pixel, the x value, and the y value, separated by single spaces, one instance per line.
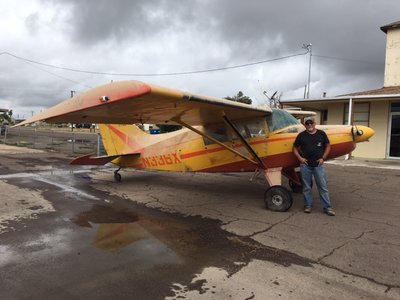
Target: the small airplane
pixel 219 135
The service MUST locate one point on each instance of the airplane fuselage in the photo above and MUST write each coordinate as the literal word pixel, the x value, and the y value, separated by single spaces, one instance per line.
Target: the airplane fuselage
pixel 185 150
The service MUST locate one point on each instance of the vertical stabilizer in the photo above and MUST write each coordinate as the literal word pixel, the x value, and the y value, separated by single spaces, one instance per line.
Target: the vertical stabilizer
pixel 122 139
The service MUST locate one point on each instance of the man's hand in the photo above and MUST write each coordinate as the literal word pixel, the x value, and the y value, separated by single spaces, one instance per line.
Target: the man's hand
pixel 320 162
pixel 303 160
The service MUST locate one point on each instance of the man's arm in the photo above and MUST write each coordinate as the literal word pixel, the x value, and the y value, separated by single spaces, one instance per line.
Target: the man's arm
pixel 325 155
pixel 301 159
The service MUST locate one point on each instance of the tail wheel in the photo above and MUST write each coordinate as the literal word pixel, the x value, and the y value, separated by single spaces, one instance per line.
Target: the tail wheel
pixel 278 198
pixel 117 177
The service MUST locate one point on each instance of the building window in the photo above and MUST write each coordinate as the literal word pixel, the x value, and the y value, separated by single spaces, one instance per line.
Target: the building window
pixel 395 107
pixel 324 117
pixel 360 114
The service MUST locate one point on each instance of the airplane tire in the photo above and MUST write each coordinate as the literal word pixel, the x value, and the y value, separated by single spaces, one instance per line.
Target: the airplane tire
pixel 117 177
pixel 278 198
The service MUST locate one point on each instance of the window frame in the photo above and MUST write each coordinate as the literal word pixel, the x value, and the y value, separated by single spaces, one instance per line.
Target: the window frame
pixel 356 111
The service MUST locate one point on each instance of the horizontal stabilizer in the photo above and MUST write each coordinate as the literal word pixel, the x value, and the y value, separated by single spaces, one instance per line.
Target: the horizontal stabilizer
pixel 89 160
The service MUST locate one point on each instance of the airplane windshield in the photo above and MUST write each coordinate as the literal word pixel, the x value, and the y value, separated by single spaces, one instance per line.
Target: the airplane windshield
pixel 279 119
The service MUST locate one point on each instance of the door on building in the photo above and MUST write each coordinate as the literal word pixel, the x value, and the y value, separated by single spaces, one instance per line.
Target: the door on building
pixel 394 131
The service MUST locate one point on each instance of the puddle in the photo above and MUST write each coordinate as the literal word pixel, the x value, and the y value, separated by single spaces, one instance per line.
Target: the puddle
pixel 117 230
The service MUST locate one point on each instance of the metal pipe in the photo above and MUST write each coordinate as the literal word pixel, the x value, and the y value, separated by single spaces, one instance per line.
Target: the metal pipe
pixel 309 47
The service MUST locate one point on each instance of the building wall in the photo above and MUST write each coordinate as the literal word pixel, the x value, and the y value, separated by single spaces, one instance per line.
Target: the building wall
pixel 392 62
pixel 378 121
pixel 335 113
pixel 379 113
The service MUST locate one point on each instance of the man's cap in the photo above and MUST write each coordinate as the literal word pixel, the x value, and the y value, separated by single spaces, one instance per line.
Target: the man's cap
pixel 309 119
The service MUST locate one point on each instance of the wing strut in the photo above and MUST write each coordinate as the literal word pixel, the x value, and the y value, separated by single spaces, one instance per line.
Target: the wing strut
pixel 214 140
pixel 245 143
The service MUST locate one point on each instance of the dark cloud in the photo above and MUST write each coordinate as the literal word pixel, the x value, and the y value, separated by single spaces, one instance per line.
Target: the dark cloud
pixel 153 36
pixel 96 21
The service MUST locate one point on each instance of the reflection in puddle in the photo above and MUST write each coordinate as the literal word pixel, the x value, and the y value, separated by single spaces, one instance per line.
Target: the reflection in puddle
pixel 123 232
pixel 123 242
pixel 114 237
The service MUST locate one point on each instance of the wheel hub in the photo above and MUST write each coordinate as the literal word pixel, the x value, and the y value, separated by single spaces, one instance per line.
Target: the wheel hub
pixel 277 200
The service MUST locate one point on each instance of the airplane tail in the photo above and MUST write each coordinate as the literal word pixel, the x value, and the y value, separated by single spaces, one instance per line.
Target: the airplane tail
pixel 123 144
pixel 122 139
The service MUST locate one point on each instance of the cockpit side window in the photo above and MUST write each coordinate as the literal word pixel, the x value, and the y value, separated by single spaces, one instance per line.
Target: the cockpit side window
pixel 250 129
pixel 218 132
pixel 280 118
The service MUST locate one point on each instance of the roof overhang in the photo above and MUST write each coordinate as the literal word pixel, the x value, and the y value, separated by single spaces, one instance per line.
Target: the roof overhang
pixel 323 103
pixel 393 25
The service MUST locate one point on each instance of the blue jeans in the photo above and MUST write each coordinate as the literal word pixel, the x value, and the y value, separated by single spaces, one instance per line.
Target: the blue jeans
pixel 319 174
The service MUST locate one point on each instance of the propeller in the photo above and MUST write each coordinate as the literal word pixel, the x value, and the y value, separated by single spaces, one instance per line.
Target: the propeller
pixel 356 132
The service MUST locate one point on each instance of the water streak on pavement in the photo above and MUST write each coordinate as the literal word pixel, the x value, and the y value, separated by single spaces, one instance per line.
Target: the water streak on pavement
pixel 57 179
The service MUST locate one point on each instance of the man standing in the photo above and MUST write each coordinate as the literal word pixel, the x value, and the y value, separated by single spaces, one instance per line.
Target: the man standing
pixel 312 147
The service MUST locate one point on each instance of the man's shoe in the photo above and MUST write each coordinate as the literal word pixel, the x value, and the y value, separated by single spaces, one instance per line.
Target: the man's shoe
pixel 307 209
pixel 329 211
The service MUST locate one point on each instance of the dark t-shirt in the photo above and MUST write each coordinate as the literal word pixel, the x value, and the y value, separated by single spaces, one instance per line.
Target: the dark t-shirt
pixel 311 146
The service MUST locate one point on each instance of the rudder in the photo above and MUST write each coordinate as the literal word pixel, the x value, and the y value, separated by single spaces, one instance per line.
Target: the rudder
pixel 121 139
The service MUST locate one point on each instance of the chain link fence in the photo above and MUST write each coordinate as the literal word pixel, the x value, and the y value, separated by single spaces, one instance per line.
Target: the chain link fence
pixel 54 139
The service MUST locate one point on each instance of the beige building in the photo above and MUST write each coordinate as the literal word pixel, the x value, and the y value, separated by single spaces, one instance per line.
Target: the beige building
pixel 378 109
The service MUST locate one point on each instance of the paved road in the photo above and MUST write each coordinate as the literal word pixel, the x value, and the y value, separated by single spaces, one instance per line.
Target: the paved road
pixel 73 233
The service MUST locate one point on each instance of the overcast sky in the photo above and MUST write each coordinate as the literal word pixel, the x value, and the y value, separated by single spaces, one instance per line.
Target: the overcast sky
pixel 176 36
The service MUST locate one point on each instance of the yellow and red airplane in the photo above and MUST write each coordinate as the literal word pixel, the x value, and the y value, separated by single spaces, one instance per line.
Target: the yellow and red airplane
pixel 219 135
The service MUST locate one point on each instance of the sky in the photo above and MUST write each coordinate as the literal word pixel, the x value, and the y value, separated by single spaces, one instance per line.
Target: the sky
pixel 49 48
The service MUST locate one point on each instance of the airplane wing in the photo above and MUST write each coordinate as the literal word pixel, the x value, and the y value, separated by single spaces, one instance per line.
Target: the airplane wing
pixel 128 102
pixel 299 114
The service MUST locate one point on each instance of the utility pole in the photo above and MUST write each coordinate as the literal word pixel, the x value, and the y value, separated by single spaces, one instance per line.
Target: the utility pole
pixel 309 50
pixel 72 124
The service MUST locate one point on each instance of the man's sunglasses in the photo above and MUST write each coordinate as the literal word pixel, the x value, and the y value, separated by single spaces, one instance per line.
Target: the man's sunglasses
pixel 309 123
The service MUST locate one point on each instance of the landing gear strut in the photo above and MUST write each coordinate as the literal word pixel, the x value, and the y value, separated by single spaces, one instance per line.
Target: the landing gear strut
pixel 117 176
pixel 278 198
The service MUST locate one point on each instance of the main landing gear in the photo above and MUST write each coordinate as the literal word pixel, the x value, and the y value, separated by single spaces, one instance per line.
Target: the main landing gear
pixel 117 176
pixel 277 197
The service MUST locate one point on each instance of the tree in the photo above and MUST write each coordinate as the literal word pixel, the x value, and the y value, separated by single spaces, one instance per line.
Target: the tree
pixel 240 97
pixel 6 116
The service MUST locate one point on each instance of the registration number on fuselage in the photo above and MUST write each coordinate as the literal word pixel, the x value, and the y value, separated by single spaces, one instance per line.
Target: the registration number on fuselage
pixel 161 160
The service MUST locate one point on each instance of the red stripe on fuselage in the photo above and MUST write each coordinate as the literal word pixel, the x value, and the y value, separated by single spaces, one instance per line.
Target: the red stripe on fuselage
pixel 284 160
pixel 264 141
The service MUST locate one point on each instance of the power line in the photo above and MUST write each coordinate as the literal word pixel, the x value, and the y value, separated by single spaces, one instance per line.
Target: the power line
pixel 152 74
pixel 51 73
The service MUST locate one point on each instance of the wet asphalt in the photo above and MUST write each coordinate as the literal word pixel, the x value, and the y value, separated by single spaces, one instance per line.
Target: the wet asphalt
pixel 154 235
pixel 100 246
